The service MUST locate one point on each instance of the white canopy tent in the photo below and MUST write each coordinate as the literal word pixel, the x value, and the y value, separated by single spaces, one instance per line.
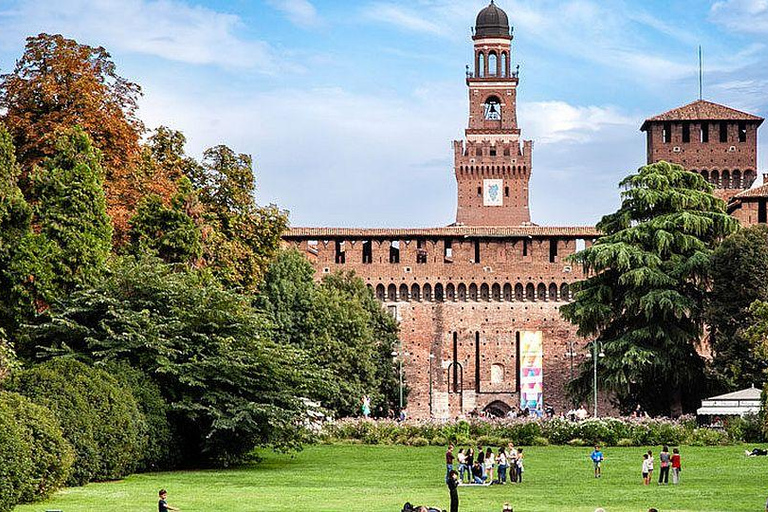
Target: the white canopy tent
pixel 738 403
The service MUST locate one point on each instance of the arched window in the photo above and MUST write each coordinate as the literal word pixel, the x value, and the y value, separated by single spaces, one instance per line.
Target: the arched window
pixel 450 292
pixel 496 292
pixel 427 291
pixel 508 292
pixel 725 179
pixel 519 294
pixel 403 292
pixel 736 179
pixel 705 175
pixel 565 292
pixel 380 292
pixel 480 65
pixel 492 64
pixel 392 293
pixel 492 108
pixel 530 292
pixel 749 178
pixel 503 64
pixel 438 292
pixel 497 373
pixel 473 292
pixel 553 292
pixel 462 291
pixel 541 292
pixel 714 178
pixel 415 292
pixel 484 292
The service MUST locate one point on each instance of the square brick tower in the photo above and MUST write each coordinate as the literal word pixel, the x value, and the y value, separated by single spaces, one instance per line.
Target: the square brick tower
pixel 492 168
pixel 717 141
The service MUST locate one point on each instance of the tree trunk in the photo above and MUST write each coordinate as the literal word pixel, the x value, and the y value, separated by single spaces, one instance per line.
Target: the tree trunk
pixel 676 402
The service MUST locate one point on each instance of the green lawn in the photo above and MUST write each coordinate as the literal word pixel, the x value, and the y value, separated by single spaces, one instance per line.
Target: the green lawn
pixel 381 478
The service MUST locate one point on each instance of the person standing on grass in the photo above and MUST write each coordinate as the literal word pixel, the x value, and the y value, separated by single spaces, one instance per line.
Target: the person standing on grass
pixel 512 462
pixel 490 462
pixel 453 489
pixel 646 480
pixel 676 467
pixel 462 460
pixel 520 467
pixel 162 504
pixel 366 406
pixel 664 462
pixel 597 461
pixel 481 458
pixel 470 461
pixel 501 463
pixel 650 465
pixel 448 462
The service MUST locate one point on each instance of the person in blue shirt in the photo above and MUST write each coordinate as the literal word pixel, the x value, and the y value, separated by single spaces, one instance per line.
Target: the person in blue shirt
pixel 597 459
pixel 162 504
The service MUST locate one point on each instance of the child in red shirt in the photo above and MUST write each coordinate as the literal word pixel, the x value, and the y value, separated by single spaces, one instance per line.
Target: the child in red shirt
pixel 675 466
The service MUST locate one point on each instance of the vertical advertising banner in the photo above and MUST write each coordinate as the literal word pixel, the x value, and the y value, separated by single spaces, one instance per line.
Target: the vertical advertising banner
pixel 492 192
pixel 531 375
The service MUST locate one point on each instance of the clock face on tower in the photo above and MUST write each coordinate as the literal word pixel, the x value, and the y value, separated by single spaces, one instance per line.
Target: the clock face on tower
pixel 492 107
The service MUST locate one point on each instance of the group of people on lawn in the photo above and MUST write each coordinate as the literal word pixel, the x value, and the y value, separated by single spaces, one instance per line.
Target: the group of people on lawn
pixel 486 466
pixel 667 462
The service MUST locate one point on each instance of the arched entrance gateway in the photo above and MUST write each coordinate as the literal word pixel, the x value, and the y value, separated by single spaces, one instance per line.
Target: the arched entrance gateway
pixel 497 409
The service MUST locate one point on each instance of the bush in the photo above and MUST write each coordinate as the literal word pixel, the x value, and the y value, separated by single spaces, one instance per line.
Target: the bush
pixel 98 417
pixel 625 441
pixel 747 429
pixel 540 441
pixel 16 468
pixel 577 441
pixel 419 441
pixel 708 437
pixel 51 455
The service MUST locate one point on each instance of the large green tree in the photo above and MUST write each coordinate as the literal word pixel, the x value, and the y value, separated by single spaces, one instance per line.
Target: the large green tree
pixel 742 258
pixel 644 296
pixel 341 325
pixel 229 387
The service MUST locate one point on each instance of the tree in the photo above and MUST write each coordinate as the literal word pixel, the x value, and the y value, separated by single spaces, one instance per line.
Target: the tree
pixel 228 386
pixel 644 296
pixel 70 210
pixel 167 231
pixel 757 336
pixel 742 258
pixel 340 324
pixel 25 264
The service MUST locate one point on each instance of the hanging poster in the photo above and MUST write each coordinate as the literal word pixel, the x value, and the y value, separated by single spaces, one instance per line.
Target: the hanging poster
pixel 492 195
pixel 531 376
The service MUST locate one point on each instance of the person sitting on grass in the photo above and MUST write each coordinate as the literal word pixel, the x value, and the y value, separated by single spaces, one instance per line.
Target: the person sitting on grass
pixel 597 460
pixel 162 505
pixel 756 452
pixel 477 473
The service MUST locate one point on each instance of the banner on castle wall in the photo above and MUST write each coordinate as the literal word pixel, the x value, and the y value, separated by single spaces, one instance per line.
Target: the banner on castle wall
pixel 531 375
pixel 492 195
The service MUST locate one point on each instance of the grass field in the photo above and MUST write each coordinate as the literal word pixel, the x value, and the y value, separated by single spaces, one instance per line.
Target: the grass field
pixel 381 478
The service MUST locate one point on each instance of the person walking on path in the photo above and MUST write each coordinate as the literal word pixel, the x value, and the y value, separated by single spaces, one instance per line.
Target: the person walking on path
pixel 676 467
pixel 597 460
pixel 664 461
pixel 453 489
pixel 448 462
pixel 162 504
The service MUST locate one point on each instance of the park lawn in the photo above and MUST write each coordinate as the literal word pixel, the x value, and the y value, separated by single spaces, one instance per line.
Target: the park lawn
pixel 381 478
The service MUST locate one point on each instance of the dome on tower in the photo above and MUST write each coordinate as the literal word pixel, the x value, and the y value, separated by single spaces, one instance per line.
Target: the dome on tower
pixel 492 22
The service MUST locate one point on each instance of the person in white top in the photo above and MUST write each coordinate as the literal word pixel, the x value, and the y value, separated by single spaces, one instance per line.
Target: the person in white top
pixel 462 458
pixel 501 464
pixel 646 474
pixel 490 462
pixel 650 465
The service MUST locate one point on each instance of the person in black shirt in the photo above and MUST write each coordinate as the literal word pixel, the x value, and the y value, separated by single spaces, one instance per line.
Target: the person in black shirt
pixel 453 485
pixel 162 505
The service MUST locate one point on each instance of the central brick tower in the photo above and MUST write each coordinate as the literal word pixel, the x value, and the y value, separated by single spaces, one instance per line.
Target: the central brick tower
pixel 492 167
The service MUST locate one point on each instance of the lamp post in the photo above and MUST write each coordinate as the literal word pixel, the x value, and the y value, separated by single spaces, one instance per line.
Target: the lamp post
pixel 595 357
pixel 431 357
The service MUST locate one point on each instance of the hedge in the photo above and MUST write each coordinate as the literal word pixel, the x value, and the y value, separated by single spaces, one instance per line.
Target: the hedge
pixel 98 417
pixel 558 431
pixel 15 459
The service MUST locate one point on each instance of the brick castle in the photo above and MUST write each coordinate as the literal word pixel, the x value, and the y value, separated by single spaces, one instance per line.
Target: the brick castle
pixel 478 300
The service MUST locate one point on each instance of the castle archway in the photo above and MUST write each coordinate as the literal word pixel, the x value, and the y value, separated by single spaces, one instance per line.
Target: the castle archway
pixel 497 408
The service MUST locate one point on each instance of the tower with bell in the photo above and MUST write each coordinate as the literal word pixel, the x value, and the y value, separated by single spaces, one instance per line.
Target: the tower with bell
pixel 492 165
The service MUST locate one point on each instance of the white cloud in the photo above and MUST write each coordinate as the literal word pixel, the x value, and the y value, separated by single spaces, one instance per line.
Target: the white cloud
pixel 402 17
pixel 551 122
pixel 741 15
pixel 170 29
pixel 299 12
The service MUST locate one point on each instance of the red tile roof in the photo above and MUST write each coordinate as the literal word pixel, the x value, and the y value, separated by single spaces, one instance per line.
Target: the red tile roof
pixel 761 191
pixel 449 231
pixel 702 110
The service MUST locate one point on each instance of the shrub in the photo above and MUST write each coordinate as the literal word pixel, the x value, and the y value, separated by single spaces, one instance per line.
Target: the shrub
pixel 98 417
pixel 625 441
pixel 747 429
pixel 16 467
pixel 438 441
pixel 708 437
pixel 51 455
pixel 419 441
pixel 577 441
pixel 540 441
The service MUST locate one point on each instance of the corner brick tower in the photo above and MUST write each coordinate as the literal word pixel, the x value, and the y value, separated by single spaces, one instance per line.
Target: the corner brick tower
pixel 716 141
pixel 492 167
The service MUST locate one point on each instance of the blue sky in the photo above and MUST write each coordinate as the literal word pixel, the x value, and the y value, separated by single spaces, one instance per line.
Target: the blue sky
pixel 349 108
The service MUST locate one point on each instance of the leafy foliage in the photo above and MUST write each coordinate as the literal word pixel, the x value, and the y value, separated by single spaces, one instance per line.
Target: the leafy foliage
pixel 98 417
pixel 229 388
pixel 643 300
pixel 742 258
pixel 341 325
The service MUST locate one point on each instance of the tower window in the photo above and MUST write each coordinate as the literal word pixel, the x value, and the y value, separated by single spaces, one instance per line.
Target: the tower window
pixel 341 255
pixel 666 133
pixel 394 252
pixel 479 191
pixel 367 252
pixel 705 132
pixel 553 250
pixel 762 212
pixel 492 151
pixel 421 252
pixel 480 65
pixel 686 132
pixel 448 251
pixel 503 63
pixel 742 131
pixel 506 191
pixel 492 108
pixel 723 131
pixel 492 64
pixel 525 247
pixel 477 251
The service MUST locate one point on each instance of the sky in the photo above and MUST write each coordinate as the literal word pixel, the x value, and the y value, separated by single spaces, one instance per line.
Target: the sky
pixel 349 107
